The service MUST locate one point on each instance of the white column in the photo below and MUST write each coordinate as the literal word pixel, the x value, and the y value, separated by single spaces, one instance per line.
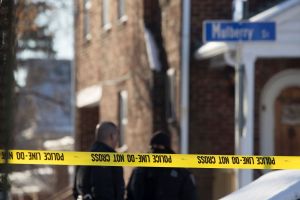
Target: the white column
pixel 239 96
pixel 247 139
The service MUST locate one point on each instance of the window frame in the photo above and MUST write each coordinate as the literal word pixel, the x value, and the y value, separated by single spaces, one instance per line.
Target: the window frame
pixel 105 15
pixel 122 115
pixel 171 95
pixel 122 17
pixel 87 5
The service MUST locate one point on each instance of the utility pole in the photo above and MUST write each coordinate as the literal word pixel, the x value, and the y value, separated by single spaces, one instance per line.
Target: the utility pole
pixel 7 62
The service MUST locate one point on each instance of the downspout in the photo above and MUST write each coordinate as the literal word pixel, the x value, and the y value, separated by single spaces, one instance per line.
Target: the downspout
pixel 73 75
pixel 73 89
pixel 185 79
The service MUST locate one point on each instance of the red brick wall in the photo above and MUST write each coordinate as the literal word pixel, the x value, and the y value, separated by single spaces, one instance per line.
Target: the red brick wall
pixel 124 66
pixel 211 118
pixel 206 10
pixel 87 53
pixel 117 60
pixel 87 73
pixel 171 33
pixel 211 97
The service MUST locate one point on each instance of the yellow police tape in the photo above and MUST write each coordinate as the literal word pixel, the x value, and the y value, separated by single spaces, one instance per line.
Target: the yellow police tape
pixel 36 157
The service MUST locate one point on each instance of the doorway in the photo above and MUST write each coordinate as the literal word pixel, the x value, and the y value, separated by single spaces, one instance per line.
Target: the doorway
pixel 87 120
pixel 272 106
pixel 287 122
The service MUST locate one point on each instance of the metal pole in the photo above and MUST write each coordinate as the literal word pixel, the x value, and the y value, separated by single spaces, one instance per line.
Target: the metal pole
pixel 239 96
pixel 240 73
pixel 7 60
pixel 184 107
pixel 239 93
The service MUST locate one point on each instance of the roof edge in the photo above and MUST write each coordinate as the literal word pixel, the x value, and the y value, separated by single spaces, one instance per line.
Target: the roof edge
pixel 274 11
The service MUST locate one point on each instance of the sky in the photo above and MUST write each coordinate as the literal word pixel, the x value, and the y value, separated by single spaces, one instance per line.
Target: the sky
pixel 62 24
pixel 60 21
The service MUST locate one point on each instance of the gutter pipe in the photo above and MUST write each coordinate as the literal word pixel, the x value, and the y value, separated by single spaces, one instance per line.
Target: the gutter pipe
pixel 185 63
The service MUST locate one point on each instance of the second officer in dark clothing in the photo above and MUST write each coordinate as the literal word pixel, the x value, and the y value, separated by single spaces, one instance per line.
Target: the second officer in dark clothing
pixel 161 183
pixel 101 183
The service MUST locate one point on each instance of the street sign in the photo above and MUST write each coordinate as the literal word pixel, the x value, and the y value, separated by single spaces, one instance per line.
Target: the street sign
pixel 228 31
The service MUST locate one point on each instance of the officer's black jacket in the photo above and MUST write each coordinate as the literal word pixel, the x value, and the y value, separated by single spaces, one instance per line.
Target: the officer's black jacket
pixel 105 183
pixel 161 184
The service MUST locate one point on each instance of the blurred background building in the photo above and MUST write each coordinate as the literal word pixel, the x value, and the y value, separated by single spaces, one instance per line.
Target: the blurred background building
pixel 143 65
pixel 43 121
pixel 37 71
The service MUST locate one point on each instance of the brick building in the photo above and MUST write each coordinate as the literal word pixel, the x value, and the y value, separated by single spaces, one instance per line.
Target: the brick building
pixel 271 83
pixel 114 78
pixel 129 70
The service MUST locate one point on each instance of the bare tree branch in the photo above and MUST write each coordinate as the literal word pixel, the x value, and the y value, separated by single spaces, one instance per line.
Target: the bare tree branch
pixel 23 91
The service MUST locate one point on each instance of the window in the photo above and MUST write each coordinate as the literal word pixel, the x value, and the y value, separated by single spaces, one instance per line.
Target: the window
pixel 171 96
pixel 123 96
pixel 3 39
pixel 87 4
pixel 121 11
pixel 105 15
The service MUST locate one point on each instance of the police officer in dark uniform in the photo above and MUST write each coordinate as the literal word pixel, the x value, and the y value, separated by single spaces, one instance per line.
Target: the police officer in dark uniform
pixel 103 183
pixel 161 183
